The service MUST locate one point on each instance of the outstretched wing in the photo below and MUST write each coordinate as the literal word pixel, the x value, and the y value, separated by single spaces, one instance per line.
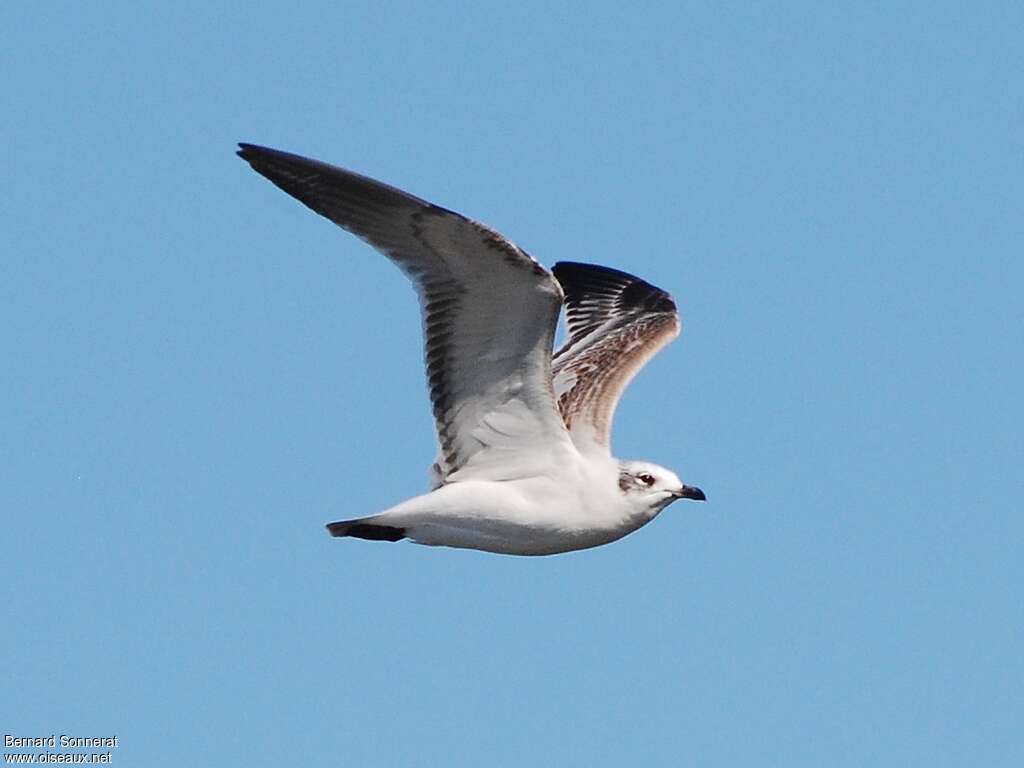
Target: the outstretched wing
pixel 617 322
pixel 489 313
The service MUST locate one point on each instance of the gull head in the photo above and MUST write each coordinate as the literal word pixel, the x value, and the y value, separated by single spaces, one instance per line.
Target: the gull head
pixel 649 486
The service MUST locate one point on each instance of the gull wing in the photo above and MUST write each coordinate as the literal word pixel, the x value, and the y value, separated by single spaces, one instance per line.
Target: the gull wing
pixel 616 322
pixel 489 313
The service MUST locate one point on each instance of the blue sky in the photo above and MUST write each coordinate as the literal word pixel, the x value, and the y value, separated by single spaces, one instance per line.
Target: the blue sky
pixel 200 373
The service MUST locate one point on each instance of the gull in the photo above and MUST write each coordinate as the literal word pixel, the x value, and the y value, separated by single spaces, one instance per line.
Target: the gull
pixel 524 465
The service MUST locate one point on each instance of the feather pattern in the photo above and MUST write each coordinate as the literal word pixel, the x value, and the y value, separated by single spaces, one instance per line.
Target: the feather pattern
pixel 616 322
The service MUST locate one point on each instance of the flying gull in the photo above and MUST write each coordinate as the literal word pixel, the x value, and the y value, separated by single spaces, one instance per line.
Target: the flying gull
pixel 524 464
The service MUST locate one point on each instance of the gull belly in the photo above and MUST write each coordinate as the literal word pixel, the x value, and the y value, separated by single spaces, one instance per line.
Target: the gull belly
pixel 577 508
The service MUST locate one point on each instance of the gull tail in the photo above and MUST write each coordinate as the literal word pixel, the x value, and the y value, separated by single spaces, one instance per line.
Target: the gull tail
pixel 364 529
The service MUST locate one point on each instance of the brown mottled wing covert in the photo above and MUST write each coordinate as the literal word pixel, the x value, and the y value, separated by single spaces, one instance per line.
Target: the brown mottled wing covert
pixel 617 322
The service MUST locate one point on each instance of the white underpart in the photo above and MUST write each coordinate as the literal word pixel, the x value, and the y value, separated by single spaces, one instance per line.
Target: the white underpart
pixel 575 505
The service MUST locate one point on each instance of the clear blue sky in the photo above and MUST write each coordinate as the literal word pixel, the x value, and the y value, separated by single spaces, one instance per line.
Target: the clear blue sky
pixel 199 373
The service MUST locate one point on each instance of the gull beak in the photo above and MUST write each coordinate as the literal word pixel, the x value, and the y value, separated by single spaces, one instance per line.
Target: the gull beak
pixel 689 492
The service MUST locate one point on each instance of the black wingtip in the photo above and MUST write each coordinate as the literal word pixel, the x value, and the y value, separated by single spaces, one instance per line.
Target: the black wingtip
pixel 570 269
pixel 580 280
pixel 248 151
pixel 253 153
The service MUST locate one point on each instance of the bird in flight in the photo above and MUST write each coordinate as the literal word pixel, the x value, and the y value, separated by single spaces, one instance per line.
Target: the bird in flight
pixel 524 465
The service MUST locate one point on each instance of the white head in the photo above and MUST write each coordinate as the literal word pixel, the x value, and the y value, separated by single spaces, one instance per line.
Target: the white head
pixel 651 488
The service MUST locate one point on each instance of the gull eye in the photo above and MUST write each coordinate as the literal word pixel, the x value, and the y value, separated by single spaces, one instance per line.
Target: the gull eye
pixel 646 478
